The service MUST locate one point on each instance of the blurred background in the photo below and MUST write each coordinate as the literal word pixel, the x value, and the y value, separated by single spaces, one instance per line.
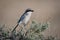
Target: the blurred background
pixel 44 11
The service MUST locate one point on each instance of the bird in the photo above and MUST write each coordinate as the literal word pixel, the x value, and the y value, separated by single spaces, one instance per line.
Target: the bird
pixel 24 18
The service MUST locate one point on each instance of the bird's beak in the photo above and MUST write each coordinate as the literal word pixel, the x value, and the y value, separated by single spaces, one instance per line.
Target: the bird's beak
pixel 32 10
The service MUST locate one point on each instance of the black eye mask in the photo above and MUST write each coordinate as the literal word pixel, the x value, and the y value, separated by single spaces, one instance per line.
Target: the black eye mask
pixel 29 10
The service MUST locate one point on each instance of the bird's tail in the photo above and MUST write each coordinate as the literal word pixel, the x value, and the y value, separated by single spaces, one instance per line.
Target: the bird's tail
pixel 15 28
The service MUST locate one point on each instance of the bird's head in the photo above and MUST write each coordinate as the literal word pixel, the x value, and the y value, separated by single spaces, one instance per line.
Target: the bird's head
pixel 29 10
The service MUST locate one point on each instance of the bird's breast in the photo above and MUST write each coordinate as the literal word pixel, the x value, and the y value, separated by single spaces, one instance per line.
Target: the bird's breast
pixel 27 17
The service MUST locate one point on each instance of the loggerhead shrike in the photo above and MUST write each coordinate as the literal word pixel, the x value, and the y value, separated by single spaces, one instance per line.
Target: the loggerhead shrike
pixel 24 18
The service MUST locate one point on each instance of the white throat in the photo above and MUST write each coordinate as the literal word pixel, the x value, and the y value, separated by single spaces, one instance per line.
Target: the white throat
pixel 29 12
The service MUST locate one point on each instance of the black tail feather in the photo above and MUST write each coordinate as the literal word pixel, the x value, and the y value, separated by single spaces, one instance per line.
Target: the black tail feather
pixel 15 28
